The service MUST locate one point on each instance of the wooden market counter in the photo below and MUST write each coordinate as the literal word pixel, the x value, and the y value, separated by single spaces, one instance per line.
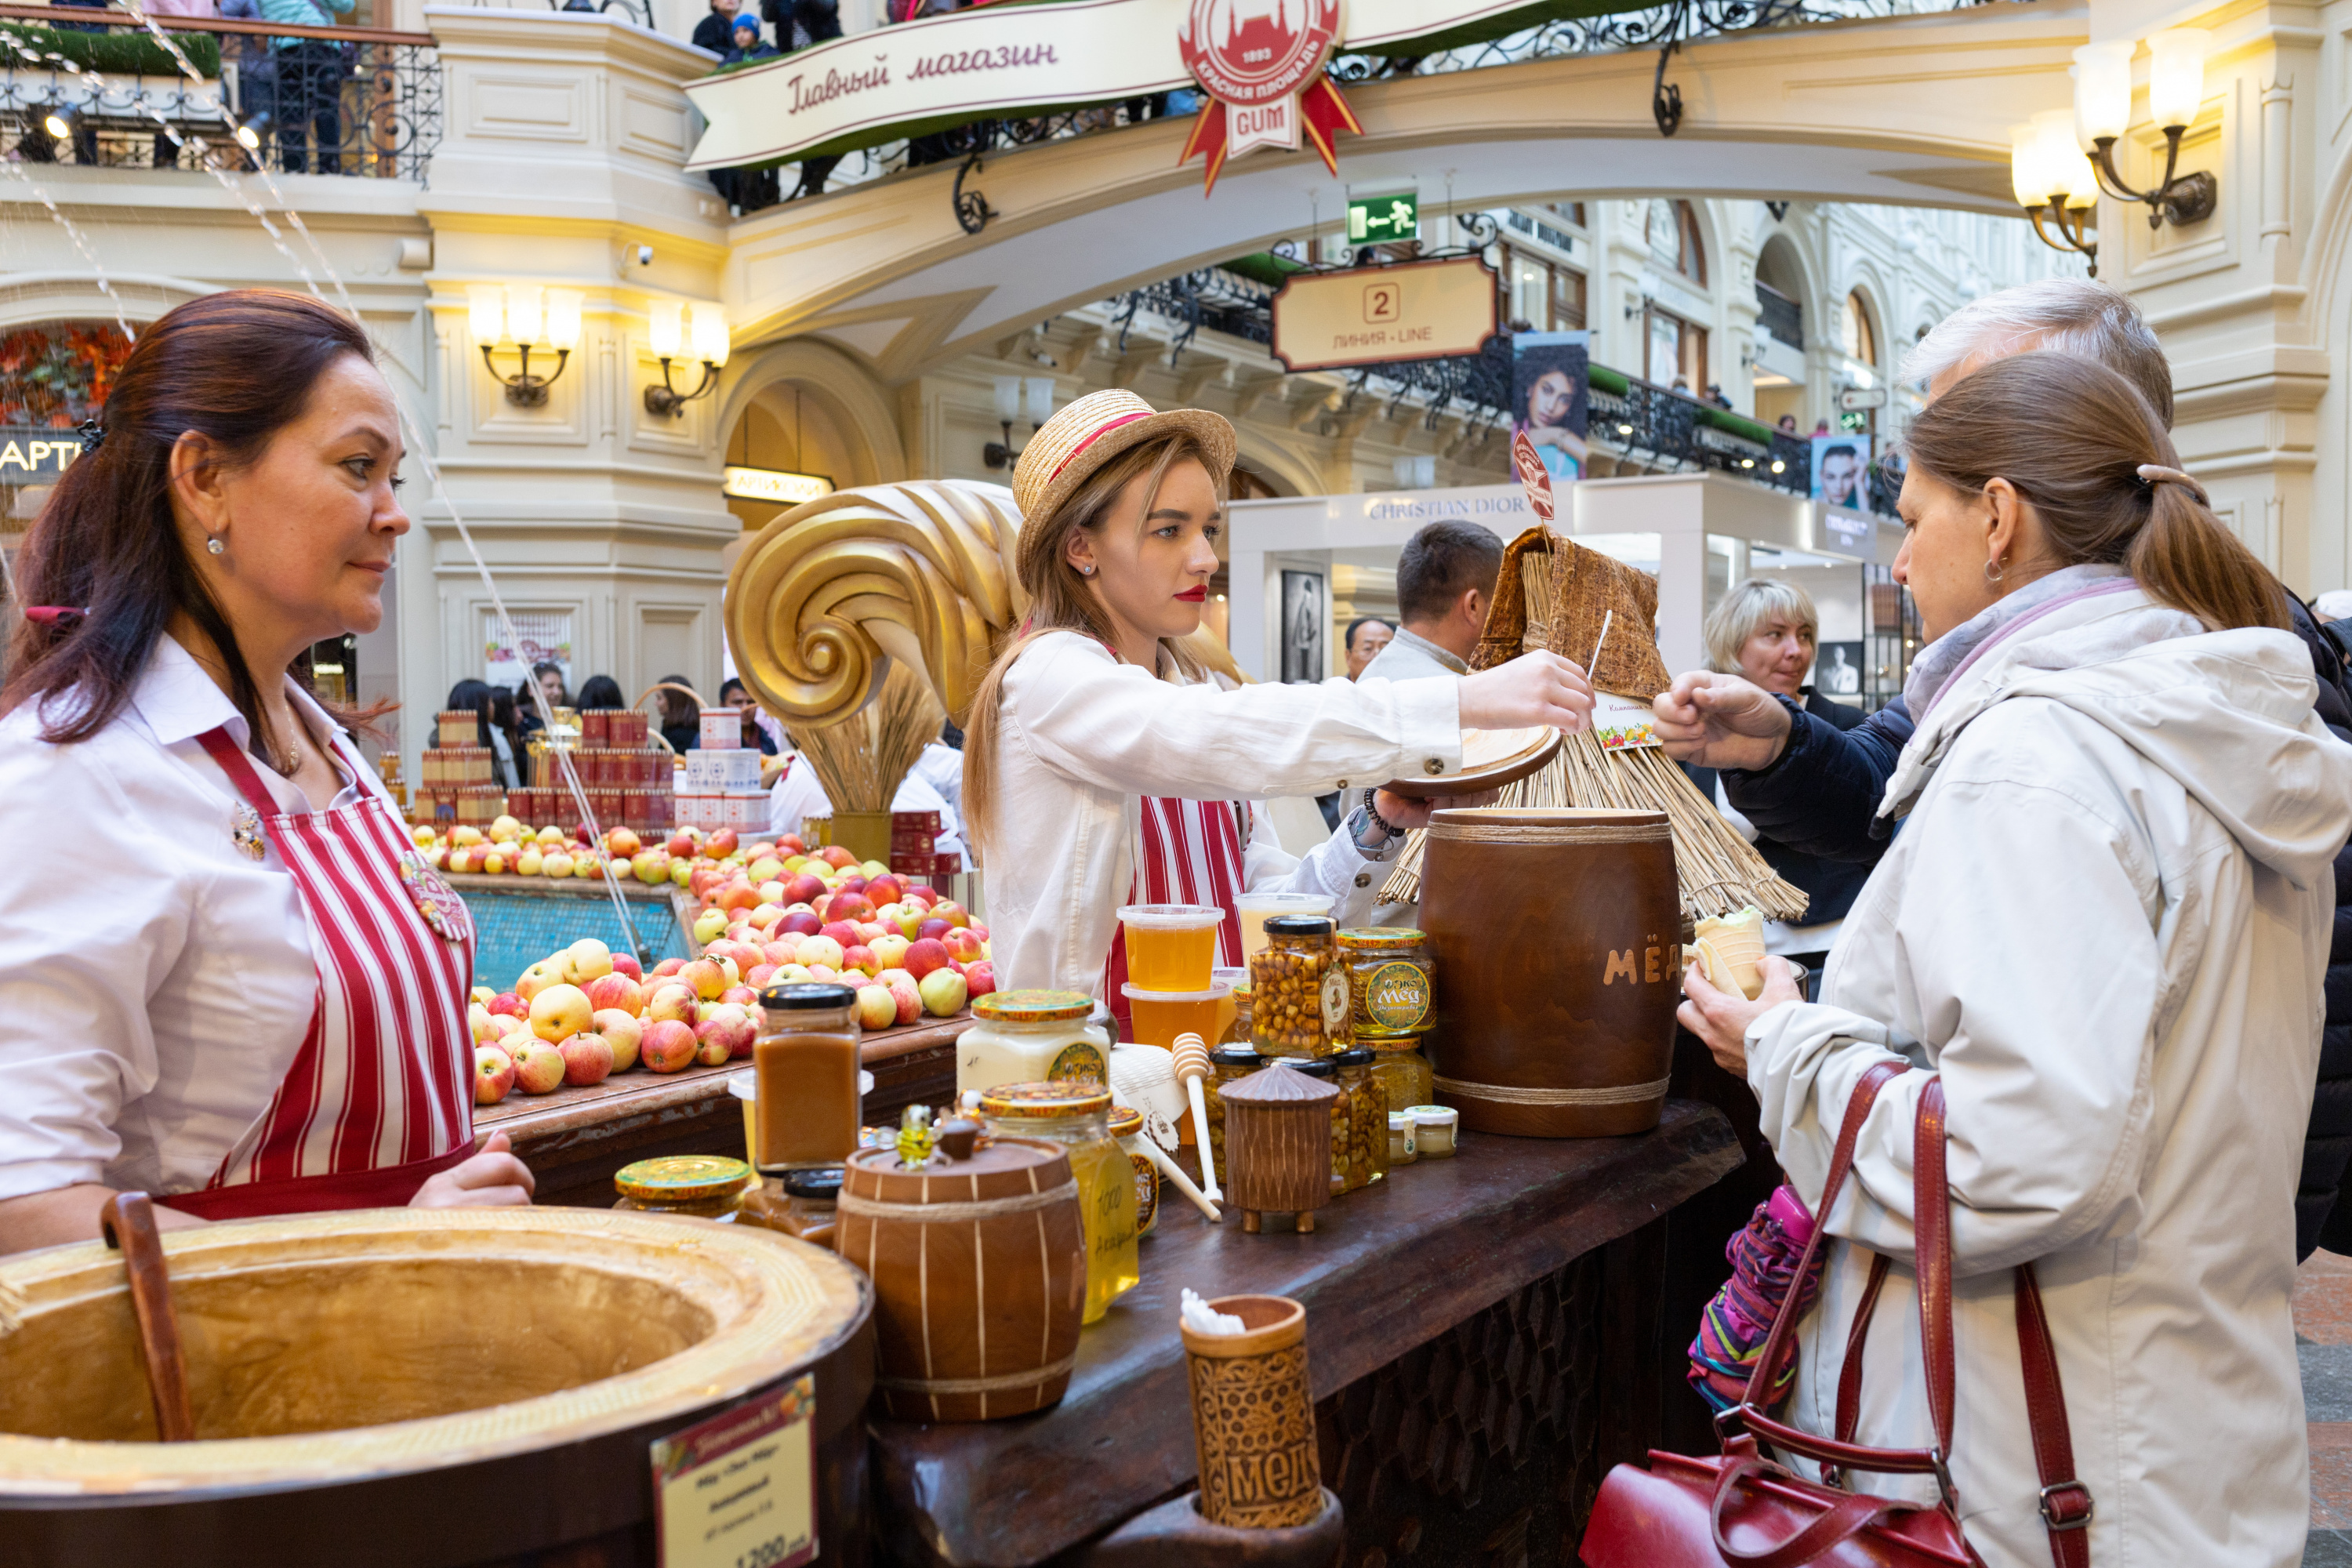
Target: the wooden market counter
pixel 575 1139
pixel 1484 1340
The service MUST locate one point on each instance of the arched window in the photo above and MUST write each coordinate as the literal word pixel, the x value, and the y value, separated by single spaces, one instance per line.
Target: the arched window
pixel 1861 343
pixel 1673 235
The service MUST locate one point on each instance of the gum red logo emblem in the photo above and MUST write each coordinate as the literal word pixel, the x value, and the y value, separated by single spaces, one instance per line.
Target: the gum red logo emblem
pixel 1249 52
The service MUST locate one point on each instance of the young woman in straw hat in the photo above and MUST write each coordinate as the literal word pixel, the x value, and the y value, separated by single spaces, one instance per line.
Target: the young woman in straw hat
pixel 1103 764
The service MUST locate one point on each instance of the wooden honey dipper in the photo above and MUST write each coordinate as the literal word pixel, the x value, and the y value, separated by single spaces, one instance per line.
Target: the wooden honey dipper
pixel 1191 1067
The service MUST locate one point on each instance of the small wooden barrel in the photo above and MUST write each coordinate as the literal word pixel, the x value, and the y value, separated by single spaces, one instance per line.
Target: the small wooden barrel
pixel 979 1275
pixel 1557 939
pixel 1277 1145
pixel 1254 1416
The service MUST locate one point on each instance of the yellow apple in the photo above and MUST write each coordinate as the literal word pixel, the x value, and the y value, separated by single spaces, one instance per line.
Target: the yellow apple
pixel 530 862
pixel 541 977
pixel 559 1012
pixel 586 960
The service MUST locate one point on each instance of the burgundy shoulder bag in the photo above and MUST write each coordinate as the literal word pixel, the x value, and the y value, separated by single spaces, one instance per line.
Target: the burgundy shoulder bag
pixel 1740 1510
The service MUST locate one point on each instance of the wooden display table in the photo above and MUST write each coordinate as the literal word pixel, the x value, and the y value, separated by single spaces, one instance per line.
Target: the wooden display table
pixel 1483 1336
pixel 575 1139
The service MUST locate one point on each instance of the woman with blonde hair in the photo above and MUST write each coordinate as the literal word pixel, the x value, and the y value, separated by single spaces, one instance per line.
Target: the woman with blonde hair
pixel 1104 764
pixel 1767 631
pixel 2103 930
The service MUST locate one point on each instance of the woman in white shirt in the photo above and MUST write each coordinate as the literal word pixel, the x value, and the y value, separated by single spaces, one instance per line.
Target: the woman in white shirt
pixel 226 978
pixel 1102 763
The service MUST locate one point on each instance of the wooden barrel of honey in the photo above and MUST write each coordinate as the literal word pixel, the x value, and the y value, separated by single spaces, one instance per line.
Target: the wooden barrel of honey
pixel 425 1387
pixel 979 1275
pixel 1557 936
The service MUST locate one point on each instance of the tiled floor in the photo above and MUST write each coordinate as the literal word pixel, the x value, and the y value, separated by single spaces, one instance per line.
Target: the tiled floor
pixel 2323 1330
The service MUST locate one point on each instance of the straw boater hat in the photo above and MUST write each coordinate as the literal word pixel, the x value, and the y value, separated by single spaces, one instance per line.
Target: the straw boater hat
pixel 1092 431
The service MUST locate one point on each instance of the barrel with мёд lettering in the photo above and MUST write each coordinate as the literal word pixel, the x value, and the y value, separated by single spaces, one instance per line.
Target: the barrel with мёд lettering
pixel 1557 938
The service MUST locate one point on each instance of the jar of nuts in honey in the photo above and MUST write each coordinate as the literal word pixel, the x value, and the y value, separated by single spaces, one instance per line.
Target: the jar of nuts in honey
pixel 1299 1003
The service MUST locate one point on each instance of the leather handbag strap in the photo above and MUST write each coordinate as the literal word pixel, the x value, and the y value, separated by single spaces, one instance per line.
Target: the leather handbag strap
pixel 1931 1225
pixel 2066 1504
pixel 1849 1514
pixel 1849 1398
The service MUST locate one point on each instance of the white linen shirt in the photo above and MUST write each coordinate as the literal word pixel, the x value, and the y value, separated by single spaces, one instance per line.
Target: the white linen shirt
pixel 1083 737
pixel 155 981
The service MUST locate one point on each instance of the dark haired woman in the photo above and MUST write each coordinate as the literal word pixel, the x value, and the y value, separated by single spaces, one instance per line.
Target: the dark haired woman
pixel 600 692
pixel 494 706
pixel 2105 927
pixel 1104 764
pixel 253 1000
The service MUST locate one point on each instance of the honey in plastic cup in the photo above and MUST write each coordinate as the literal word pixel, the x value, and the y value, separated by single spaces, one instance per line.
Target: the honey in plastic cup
pixel 1162 1015
pixel 1170 947
pixel 1254 909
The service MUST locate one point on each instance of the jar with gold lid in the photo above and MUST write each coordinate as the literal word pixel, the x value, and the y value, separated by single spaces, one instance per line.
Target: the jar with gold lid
pixel 705 1186
pixel 1031 1037
pixel 1077 1115
pixel 1127 1127
pixel 1391 981
pixel 1298 993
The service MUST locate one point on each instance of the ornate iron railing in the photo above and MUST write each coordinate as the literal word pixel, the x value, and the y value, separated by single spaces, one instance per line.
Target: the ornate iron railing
pixel 217 94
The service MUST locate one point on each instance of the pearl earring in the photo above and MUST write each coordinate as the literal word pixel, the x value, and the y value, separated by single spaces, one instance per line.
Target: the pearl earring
pixel 213 546
pixel 1086 571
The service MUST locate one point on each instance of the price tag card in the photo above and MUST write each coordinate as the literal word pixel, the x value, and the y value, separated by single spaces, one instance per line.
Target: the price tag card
pixel 740 1489
pixel 1622 723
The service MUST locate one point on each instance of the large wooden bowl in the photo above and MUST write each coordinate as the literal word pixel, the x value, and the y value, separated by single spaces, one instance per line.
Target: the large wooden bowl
pixel 415 1387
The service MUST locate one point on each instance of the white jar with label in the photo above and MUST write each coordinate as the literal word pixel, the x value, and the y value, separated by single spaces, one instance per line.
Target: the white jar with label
pixel 1031 1036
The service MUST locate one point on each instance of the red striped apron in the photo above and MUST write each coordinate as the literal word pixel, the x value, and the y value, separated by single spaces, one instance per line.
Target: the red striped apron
pixel 1190 854
pixel 381 1095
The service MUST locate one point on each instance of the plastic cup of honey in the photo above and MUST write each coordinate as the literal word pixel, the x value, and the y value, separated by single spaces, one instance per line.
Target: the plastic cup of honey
pixel 1170 947
pixel 1162 1015
pixel 1255 907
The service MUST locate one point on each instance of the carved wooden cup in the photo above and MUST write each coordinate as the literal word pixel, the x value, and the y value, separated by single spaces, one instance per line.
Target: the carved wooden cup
pixel 1252 1417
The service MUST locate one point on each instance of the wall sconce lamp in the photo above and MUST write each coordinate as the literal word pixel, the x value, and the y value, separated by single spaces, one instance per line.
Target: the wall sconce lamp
pixel 2175 88
pixel 679 331
pixel 1012 391
pixel 519 319
pixel 2054 184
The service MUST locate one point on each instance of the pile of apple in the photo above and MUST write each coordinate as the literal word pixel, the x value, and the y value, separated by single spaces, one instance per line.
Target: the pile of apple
pixel 577 1016
pixel 781 915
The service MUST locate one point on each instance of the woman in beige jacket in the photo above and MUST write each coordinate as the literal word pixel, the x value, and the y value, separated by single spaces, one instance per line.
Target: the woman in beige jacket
pixel 2104 923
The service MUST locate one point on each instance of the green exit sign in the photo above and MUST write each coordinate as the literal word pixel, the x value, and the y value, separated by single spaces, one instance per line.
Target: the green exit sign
pixel 1380 220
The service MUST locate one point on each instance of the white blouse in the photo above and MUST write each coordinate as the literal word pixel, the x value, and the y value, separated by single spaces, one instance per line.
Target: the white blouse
pixel 155 983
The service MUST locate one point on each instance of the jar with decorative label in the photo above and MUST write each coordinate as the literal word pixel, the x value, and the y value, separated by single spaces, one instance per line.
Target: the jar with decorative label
pixel 1031 1036
pixel 1299 1002
pixel 1391 981
pixel 1368 1119
pixel 1127 1127
pixel 1077 1115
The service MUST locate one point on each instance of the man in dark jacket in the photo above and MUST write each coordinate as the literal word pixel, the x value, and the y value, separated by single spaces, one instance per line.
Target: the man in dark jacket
pixel 1817 788
pixel 714 31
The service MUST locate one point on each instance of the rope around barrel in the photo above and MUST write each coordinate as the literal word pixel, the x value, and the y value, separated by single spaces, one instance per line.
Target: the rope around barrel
pixel 956 1213
pixel 1552 832
pixel 1502 1094
pixel 997 1384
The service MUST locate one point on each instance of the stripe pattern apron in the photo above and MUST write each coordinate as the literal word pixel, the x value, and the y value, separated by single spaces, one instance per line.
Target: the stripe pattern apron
pixel 1190 854
pixel 380 1095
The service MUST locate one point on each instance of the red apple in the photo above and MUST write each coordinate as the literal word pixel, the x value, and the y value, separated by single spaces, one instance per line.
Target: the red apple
pixel 885 890
pixel 780 951
pixel 799 922
pixel 494 1074
pixel 981 978
pixel 841 931
pixel 625 1033
pixel 934 928
pixel 849 905
pixel 978 930
pixel 721 845
pixel 509 1003
pixel 791 843
pixel 758 978
pixel 961 944
pixel 705 878
pixel 909 1000
pixel 803 888
pixel 953 913
pixel 668 966
pixel 616 990
pixel 538 1067
pixel 731 1025
pixel 588 1059
pixel 681 843
pixel 924 956
pixel 834 854
pixel 742 995
pixel 667 1045
pixel 672 1003
pixel 859 957
pixel 919 894
pixel 627 963
pixel 621 842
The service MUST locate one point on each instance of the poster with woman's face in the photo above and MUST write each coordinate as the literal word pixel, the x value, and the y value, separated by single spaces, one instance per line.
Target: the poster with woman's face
pixel 1552 397
pixel 1303 620
pixel 1842 470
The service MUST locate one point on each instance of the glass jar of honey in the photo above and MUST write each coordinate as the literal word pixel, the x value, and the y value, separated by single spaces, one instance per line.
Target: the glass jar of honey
pixel 1403 1072
pixel 1299 993
pixel 1077 1116
pixel 1368 1119
pixel 806 1098
pixel 1127 1127
pixel 1237 1031
pixel 1389 981
pixel 705 1186
pixel 1342 1116
pixel 1227 1063
pixel 1031 1037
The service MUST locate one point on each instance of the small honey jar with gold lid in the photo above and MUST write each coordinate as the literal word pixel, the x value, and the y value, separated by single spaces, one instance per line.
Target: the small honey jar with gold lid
pixel 703 1186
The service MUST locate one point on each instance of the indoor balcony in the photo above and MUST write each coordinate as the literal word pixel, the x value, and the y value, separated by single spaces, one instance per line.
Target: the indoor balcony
pixel 93 86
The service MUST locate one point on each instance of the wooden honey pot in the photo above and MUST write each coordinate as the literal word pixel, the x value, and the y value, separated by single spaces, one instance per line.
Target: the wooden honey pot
pixel 1277 1145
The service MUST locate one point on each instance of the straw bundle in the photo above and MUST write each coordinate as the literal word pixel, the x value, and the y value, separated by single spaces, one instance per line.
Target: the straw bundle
pixel 1564 606
pixel 862 761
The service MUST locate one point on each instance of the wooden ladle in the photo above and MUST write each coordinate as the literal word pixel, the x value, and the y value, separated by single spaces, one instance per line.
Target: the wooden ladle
pixel 128 1223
